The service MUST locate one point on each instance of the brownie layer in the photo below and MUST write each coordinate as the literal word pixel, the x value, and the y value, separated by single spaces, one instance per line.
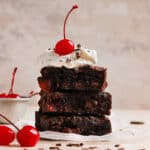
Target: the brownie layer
pixel 94 103
pixel 85 125
pixel 80 78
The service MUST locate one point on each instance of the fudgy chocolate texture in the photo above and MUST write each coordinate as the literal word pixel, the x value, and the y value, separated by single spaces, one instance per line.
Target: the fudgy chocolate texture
pixel 85 125
pixel 80 78
pixel 87 102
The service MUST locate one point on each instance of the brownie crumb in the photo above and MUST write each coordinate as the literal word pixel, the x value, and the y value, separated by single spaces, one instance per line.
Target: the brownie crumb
pixel 92 147
pixel 76 145
pixel 54 148
pixel 81 144
pixel 137 122
pixel 142 149
pixel 116 145
pixel 58 144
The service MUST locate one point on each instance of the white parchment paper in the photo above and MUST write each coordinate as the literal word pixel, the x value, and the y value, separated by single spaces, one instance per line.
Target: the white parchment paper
pixel 122 131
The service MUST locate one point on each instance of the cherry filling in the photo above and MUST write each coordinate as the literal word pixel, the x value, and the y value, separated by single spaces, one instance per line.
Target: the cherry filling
pixel 11 94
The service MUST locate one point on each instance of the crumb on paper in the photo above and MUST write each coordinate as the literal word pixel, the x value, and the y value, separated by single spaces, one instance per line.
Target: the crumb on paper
pixel 116 145
pixel 74 144
pixel 54 148
pixel 58 144
pixel 92 147
pixel 137 122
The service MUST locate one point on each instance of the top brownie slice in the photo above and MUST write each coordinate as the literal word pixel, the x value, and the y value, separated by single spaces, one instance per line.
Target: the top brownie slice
pixel 79 78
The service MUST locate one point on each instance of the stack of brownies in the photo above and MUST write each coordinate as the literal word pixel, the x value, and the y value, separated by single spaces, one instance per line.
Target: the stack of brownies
pixel 73 100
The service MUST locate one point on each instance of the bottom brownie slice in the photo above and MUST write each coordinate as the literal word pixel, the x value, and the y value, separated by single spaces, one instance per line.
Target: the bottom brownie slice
pixel 85 125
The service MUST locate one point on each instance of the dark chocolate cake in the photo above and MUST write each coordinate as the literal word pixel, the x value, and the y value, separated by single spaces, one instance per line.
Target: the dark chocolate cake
pixel 85 102
pixel 72 97
pixel 80 124
pixel 65 107
pixel 79 78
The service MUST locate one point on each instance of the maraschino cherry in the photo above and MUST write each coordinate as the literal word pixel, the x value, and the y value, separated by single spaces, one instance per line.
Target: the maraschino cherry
pixel 7 135
pixel 27 136
pixel 11 94
pixel 65 46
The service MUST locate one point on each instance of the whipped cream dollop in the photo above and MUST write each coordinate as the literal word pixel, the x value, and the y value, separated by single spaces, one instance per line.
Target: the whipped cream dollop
pixel 78 57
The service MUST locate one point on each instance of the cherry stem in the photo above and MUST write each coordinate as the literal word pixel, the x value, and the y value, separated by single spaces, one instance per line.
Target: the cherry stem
pixel 9 122
pixel 12 80
pixel 73 7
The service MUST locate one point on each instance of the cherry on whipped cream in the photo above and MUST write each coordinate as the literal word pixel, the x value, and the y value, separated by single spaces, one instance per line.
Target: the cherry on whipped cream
pixel 65 46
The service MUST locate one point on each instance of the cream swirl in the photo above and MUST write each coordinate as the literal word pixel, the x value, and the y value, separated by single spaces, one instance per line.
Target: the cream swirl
pixel 77 58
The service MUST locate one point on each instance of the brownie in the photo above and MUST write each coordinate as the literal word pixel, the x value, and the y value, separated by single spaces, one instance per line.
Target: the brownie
pixel 84 125
pixel 79 78
pixel 87 102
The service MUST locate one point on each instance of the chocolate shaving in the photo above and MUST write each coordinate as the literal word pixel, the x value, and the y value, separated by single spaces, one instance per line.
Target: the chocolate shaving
pixel 74 144
pixel 92 147
pixel 116 145
pixel 55 148
pixel 77 55
pixel 137 122
pixel 68 60
pixel 58 144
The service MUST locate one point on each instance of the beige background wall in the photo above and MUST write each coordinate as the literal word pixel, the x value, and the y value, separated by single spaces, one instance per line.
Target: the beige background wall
pixel 118 29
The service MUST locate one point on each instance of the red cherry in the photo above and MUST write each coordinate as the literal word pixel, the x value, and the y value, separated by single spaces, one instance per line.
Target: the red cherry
pixel 65 46
pixel 28 136
pixel 7 135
